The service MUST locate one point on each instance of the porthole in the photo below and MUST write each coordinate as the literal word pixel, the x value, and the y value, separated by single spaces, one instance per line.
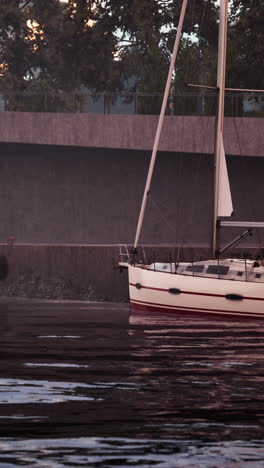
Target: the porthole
pixel 138 285
pixel 174 291
pixel 234 297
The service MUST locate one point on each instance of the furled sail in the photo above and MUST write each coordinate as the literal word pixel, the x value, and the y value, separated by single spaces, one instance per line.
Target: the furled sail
pixel 225 205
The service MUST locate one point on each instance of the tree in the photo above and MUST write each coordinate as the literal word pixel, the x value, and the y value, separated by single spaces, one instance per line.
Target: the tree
pixel 148 29
pixel 63 46
pixel 80 51
pixel 15 46
pixel 50 45
pixel 245 47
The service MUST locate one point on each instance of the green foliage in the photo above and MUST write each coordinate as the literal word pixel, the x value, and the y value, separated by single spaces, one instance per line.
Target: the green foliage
pixel 16 52
pixel 148 30
pixel 72 45
pixel 245 47
pixel 69 45
pixel 80 51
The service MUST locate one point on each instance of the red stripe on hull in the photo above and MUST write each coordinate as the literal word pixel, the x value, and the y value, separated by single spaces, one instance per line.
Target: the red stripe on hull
pixel 198 293
pixel 144 307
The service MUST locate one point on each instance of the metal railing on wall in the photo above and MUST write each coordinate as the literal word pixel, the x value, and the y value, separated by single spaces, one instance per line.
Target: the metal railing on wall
pixel 237 104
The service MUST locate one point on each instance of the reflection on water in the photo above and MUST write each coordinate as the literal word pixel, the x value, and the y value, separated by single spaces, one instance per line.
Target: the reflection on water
pixel 149 390
pixel 112 452
pixel 56 336
pixel 21 416
pixel 54 364
pixel 40 391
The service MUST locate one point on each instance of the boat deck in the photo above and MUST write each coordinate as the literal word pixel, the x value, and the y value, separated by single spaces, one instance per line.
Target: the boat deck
pixel 230 269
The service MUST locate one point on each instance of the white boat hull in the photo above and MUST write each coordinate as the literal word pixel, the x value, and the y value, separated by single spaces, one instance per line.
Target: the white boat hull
pixel 159 291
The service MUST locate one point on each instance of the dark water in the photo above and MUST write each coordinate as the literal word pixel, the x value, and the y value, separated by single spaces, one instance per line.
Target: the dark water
pixel 85 385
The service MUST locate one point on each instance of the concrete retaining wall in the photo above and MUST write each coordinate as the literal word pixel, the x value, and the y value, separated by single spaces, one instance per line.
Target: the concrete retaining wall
pixel 73 197
pixel 69 195
pixel 243 136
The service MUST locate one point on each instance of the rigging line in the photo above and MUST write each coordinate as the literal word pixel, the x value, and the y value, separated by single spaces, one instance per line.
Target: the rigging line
pixel 182 129
pixel 160 124
pixel 180 198
pixel 258 231
pixel 157 204
pixel 161 215
pixel 238 142
pixel 248 197
pixel 200 32
pixel 196 171
pixel 203 15
pixel 188 60
pixel 192 16
pixel 161 208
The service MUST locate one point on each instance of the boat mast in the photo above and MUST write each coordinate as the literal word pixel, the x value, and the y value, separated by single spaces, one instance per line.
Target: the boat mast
pixel 160 123
pixel 219 121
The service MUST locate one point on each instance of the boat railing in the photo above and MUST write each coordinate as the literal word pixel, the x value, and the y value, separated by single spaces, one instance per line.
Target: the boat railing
pixel 128 255
pixel 248 273
pixel 124 253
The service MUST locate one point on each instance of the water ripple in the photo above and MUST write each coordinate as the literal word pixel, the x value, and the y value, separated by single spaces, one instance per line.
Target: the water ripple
pixel 40 391
pixel 125 452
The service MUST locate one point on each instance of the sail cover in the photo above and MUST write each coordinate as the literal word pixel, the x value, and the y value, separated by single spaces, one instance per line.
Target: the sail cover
pixel 225 205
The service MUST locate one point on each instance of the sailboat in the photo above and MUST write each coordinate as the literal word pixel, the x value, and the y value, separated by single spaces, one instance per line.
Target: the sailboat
pixel 217 287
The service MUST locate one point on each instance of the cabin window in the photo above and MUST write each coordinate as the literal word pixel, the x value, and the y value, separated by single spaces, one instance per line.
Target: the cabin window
pixel 195 268
pixel 240 273
pixel 164 267
pixel 217 270
pixel 257 275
